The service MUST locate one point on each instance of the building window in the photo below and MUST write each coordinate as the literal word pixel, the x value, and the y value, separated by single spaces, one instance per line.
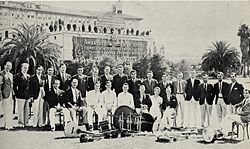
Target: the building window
pixel 32 16
pixel 1 38
pixel 6 34
pixel 55 37
pixel 28 16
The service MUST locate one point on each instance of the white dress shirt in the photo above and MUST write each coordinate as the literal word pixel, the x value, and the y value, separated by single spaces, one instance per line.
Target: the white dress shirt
pixel 125 99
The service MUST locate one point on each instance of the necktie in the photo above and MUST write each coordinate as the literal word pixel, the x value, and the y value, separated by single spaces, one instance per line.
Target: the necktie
pixel 220 87
pixel 205 86
pixel 75 95
pixel 180 87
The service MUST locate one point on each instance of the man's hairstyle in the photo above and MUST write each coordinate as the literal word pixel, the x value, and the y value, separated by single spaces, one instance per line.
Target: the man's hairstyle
pixel 149 71
pixel 220 73
pixel 125 84
pixel 24 64
pixel 62 65
pixel 56 80
pixel 119 66
pixel 133 71
pixel 38 66
pixel 80 67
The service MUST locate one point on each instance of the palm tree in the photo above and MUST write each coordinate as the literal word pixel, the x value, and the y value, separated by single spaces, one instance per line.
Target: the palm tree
pixel 29 44
pixel 244 34
pixel 221 57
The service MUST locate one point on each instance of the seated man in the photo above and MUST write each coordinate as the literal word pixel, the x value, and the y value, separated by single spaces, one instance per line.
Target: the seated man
pixel 93 99
pixel 56 104
pixel 125 98
pixel 142 101
pixel 74 102
pixel 170 108
pixel 109 100
pixel 242 113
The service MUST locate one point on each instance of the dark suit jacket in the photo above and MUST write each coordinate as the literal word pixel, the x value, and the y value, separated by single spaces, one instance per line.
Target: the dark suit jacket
pixel 68 98
pixel 91 83
pixel 53 99
pixel 7 85
pixel 82 84
pixel 163 88
pixel 35 86
pixel 192 91
pixel 150 87
pixel 207 95
pixel 46 82
pixel 235 96
pixel 146 101
pixel 118 82
pixel 64 84
pixel 172 102
pixel 134 86
pixel 224 92
pixel 21 86
pixel 103 82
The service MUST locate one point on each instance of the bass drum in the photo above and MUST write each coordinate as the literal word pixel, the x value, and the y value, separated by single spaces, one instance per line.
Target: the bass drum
pixel 147 119
pixel 126 111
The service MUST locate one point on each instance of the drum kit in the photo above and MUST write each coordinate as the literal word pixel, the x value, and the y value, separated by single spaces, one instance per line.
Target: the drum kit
pixel 124 121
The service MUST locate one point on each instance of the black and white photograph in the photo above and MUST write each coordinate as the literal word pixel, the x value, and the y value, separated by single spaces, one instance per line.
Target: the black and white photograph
pixel 124 74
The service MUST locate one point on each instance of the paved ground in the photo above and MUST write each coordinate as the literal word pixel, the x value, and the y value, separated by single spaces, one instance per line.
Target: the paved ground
pixel 28 139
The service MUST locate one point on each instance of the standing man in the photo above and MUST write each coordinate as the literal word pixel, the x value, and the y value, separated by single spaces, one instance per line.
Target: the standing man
pixel 221 97
pixel 235 95
pixel 191 100
pixel 21 89
pixel 206 96
pixel 150 83
pixel 63 77
pixel 119 80
pixel 106 77
pixel 164 84
pixel 37 93
pixel 134 84
pixel 93 79
pixel 7 94
pixel 179 88
pixel 82 81
pixel 48 85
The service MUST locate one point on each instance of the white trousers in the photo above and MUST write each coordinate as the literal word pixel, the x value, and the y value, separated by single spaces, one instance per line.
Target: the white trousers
pixel 222 109
pixel 192 113
pixel 38 112
pixel 7 110
pixel 23 111
pixel 52 116
pixel 168 117
pixel 206 111
pixel 181 109
pixel 101 112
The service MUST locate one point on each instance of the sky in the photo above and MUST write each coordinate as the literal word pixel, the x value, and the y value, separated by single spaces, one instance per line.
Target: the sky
pixel 186 28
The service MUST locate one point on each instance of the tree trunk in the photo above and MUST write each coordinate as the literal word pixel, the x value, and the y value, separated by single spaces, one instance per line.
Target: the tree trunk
pixel 244 70
pixel 248 69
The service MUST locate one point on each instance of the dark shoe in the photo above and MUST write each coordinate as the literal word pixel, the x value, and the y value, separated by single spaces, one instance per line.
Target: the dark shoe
pixel 15 118
pixel 1 116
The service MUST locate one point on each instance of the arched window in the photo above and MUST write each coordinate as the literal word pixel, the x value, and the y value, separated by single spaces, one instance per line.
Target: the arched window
pixel 83 28
pixel 137 33
pixel 95 29
pixel 55 28
pixel 119 31
pixel 51 28
pixel 111 30
pixel 60 27
pixel 74 27
pixel 127 32
pixel 89 28
pixel 105 30
pixel 68 27
pixel 132 31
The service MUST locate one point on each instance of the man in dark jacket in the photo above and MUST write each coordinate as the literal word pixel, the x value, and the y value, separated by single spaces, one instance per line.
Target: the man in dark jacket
pixel 22 92
pixel 206 96
pixel 235 93
pixel 118 80
pixel 191 100
pixel 63 77
pixel 56 104
pixel 221 97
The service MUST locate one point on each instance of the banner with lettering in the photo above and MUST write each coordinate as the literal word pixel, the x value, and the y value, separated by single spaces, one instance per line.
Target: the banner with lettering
pixel 117 48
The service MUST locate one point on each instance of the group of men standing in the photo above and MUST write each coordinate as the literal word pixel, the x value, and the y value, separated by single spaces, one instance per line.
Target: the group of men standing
pixel 87 95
